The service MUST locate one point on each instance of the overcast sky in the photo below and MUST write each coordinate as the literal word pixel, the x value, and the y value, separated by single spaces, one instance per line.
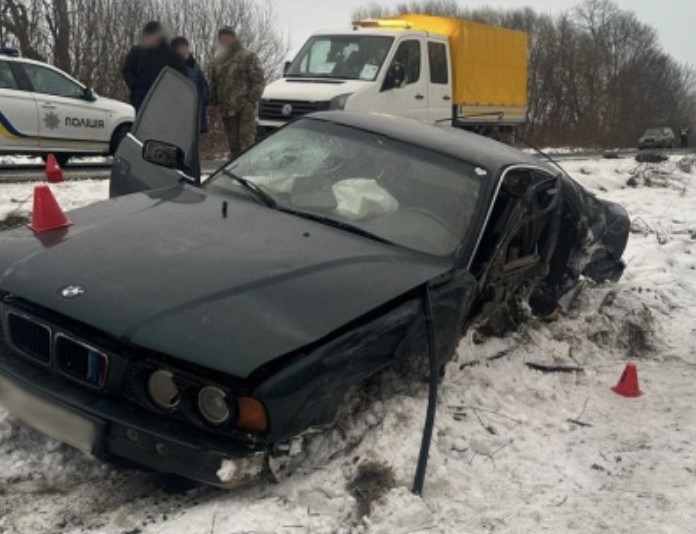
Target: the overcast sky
pixel 675 20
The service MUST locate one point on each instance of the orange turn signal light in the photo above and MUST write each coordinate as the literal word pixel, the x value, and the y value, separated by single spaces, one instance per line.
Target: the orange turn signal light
pixel 252 415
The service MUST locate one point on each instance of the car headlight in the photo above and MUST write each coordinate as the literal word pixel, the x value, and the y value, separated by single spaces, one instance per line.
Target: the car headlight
pixel 162 390
pixel 212 403
pixel 339 102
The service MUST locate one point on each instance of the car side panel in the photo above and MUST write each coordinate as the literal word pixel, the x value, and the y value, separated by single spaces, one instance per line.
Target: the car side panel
pixel 18 113
pixel 65 123
pixel 18 120
pixel 308 390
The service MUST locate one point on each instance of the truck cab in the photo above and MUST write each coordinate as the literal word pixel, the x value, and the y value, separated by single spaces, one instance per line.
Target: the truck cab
pixel 402 68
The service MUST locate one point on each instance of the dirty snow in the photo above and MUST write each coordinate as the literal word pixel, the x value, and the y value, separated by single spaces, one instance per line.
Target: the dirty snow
pixel 506 457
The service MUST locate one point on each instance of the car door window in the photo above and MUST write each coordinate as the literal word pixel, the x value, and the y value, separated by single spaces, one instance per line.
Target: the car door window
pixel 437 55
pixel 405 68
pixel 49 82
pixel 7 79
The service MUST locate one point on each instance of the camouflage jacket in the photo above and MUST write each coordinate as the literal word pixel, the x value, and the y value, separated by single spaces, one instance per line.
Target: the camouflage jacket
pixel 236 81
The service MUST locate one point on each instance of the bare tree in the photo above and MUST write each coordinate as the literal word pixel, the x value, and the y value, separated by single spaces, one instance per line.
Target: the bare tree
pixel 598 75
pixel 89 38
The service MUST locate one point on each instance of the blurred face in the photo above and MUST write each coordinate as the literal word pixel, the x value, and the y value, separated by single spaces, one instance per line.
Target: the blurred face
pixel 184 51
pixel 153 39
pixel 228 42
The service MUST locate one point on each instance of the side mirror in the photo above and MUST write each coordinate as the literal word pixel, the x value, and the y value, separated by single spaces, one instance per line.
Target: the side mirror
pixel 164 155
pixel 395 77
pixel 90 96
pixel 286 66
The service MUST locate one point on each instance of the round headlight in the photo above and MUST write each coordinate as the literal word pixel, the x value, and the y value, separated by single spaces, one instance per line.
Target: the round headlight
pixel 162 390
pixel 212 403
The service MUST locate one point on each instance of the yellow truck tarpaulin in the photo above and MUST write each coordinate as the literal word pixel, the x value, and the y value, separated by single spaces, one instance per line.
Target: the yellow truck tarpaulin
pixel 489 64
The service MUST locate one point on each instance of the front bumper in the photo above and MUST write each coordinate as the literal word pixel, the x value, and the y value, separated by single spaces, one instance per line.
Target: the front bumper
pixel 109 428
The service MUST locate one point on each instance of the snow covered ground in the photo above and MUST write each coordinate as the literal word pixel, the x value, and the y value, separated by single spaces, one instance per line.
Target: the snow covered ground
pixel 506 456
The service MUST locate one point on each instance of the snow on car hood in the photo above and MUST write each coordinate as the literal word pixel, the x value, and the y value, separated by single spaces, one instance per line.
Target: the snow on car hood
pixel 169 273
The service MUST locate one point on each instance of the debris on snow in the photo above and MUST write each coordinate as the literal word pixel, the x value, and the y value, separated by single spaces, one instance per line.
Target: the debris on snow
pixel 533 473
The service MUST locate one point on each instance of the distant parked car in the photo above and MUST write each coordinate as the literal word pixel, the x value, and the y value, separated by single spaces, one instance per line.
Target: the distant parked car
pixel 657 138
pixel 43 110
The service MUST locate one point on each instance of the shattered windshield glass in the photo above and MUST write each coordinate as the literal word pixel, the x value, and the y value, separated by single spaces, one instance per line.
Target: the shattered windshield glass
pixel 374 185
pixel 347 57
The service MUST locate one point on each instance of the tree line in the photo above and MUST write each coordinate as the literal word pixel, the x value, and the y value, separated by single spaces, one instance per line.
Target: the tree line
pixel 598 75
pixel 90 38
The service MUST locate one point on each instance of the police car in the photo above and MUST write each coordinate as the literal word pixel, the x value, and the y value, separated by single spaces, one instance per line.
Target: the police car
pixel 43 110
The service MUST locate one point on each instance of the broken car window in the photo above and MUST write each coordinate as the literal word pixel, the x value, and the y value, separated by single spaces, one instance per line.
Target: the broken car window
pixel 400 193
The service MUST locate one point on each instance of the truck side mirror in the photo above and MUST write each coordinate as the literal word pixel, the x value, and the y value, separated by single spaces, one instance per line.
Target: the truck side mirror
pixel 286 66
pixel 164 155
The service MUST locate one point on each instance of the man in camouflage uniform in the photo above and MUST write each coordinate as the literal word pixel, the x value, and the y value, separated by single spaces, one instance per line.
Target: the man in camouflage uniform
pixel 237 84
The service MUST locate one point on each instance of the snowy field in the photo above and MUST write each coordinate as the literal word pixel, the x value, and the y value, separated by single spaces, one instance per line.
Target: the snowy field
pixel 506 457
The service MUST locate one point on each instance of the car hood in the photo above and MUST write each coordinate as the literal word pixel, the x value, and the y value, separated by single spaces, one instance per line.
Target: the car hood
pixel 311 89
pixel 168 272
pixel 116 106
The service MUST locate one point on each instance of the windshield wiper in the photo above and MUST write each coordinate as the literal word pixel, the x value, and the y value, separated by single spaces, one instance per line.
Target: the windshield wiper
pixel 253 188
pixel 336 224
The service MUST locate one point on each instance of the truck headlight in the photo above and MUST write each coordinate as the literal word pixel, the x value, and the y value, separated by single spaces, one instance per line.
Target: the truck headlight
pixel 212 403
pixel 339 102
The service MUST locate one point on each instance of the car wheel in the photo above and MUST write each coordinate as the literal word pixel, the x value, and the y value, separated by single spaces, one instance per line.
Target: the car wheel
pixel 61 157
pixel 119 135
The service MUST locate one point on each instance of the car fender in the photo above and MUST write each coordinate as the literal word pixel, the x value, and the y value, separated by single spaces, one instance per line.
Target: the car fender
pixel 307 389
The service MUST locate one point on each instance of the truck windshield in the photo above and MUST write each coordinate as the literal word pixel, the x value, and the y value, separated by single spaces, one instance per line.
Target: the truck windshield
pixel 361 181
pixel 348 57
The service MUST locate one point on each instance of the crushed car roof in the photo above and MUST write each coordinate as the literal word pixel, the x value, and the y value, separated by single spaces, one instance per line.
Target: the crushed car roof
pixel 453 142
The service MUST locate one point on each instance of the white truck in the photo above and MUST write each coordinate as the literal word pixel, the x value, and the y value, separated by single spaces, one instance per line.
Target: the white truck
pixel 439 70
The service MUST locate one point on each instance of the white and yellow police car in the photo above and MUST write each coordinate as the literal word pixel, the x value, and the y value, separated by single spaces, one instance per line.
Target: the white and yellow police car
pixel 43 110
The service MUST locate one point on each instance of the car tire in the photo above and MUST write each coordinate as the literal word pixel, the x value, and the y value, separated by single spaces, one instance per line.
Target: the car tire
pixel 61 157
pixel 119 135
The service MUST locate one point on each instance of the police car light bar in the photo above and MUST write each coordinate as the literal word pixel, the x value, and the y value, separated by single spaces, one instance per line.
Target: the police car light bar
pixel 9 51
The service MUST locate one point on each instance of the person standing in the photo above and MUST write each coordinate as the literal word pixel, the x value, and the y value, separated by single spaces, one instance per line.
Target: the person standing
pixel 236 84
pixel 181 46
pixel 144 62
pixel 685 136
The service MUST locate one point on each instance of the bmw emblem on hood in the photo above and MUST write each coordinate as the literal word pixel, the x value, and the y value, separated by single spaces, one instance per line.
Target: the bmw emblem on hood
pixel 72 292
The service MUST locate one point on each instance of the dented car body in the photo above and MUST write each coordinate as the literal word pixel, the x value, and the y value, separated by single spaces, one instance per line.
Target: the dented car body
pixel 188 327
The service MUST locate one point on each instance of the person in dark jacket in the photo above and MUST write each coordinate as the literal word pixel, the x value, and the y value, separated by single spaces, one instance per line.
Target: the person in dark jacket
pixel 182 47
pixel 144 62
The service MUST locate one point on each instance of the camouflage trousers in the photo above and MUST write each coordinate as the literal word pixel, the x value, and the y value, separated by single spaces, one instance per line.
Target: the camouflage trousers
pixel 240 131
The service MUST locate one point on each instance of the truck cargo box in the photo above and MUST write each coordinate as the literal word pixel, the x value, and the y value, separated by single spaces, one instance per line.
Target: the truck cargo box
pixel 489 64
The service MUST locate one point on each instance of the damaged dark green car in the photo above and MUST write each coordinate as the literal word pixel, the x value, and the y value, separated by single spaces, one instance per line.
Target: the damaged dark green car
pixel 194 328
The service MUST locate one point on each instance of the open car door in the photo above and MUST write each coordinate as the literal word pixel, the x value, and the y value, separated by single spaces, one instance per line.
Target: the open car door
pixel 170 114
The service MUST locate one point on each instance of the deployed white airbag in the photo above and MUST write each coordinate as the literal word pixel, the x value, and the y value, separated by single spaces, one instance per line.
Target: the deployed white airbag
pixel 359 198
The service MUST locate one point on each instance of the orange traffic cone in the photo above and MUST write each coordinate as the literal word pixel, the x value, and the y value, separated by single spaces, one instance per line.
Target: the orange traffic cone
pixel 47 214
pixel 628 386
pixel 54 174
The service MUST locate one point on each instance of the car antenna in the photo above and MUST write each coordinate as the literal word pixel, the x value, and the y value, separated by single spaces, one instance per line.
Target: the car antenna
pixel 539 151
pixel 433 384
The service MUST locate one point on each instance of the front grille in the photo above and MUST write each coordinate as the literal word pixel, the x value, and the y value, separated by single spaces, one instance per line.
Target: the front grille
pixel 80 361
pixel 30 337
pixel 278 109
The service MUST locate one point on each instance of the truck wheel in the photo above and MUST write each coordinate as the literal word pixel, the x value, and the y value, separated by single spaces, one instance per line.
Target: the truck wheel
pixel 119 135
